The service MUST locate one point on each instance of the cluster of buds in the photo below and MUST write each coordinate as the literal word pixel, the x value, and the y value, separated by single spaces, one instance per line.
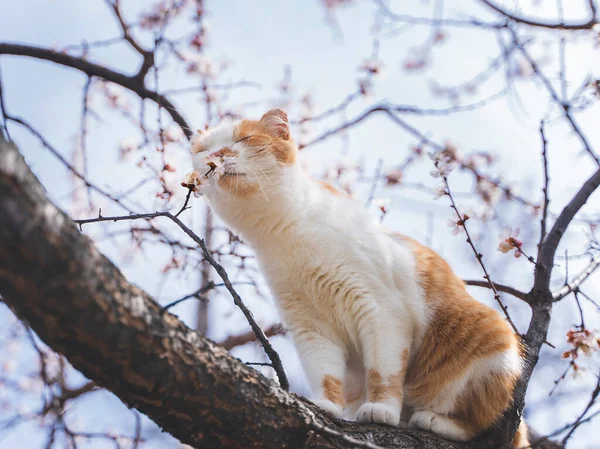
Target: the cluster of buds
pixel 160 12
pixel 383 206
pixel 443 160
pixel 583 341
pixel 330 4
pixel 458 225
pixel 195 180
pixel 345 173
pixel 510 242
pixel 115 96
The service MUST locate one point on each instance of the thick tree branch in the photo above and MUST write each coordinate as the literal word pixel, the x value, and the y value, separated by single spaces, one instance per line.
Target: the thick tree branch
pixel 550 244
pixel 541 299
pixel 133 83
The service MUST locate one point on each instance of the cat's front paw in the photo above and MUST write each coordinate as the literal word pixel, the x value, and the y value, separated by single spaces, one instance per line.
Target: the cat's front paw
pixel 333 410
pixel 379 413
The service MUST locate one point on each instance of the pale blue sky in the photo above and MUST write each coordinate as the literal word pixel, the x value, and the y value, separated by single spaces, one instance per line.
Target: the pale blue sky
pixel 260 39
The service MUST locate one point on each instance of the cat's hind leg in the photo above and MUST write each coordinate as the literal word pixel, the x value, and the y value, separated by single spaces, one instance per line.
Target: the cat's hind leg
pixel 445 426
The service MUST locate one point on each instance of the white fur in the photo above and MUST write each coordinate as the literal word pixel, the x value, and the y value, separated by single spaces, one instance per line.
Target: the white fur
pixel 347 290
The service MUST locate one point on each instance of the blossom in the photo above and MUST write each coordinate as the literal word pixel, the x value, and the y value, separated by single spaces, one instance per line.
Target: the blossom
pixel 440 191
pixel 372 67
pixel 115 95
pixel 415 64
pixel 382 204
pixel 193 181
pixel 509 242
pixel 172 134
pixel 584 340
pixel 394 177
pixel 214 162
pixel 458 225
pixel 128 145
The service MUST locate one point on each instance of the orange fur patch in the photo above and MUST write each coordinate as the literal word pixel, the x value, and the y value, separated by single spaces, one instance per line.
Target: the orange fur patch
pixel 379 391
pixel 332 390
pixel 224 152
pixel 283 150
pixel 521 440
pixel 325 185
pixel 197 147
pixel 238 185
pixel 461 332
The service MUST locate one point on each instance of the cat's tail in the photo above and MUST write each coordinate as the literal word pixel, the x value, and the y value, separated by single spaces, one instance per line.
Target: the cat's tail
pixel 521 439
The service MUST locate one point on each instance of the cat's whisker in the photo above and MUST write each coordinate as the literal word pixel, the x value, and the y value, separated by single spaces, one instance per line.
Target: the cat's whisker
pixel 263 172
pixel 260 185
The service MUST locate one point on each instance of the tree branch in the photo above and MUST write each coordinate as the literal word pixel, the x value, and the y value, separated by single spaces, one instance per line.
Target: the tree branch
pixel 499 287
pixel 550 244
pixel 133 83
pixel 573 286
pixel 588 25
pixel 260 335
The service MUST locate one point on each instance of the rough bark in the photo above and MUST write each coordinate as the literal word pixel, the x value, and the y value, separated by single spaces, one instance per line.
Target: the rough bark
pixel 81 305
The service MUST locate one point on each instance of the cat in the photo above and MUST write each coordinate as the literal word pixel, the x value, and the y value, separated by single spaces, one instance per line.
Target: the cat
pixel 383 327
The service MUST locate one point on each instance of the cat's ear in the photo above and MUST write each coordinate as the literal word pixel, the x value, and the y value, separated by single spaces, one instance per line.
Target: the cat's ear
pixel 196 141
pixel 276 122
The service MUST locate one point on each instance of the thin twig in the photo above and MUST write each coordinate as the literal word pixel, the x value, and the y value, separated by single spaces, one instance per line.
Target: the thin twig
pixel 573 286
pixel 3 110
pixel 260 335
pixel 499 287
pixel 461 222
pixel 546 201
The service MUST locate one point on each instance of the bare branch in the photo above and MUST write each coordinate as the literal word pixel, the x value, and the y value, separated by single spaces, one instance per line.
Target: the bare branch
pixel 499 287
pixel 148 56
pixel 587 25
pixel 260 335
pixel 552 240
pixel 546 201
pixel 238 340
pixel 574 286
pixel 556 98
pixel 132 83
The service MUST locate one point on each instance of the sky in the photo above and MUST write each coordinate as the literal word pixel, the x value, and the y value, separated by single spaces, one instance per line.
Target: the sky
pixel 324 51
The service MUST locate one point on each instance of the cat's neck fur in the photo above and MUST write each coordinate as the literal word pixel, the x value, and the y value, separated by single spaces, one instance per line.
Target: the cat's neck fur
pixel 270 215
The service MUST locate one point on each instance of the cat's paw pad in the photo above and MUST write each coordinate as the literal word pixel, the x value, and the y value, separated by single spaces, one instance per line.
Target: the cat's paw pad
pixel 333 410
pixel 379 413
pixel 423 419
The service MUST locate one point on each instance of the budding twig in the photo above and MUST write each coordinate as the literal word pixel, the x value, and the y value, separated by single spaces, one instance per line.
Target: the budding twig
pixel 260 335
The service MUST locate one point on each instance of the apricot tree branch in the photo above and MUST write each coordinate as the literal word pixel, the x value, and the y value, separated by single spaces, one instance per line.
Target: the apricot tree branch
pixel 148 56
pixel 499 287
pixel 587 25
pixel 260 335
pixel 132 83
pixel 583 276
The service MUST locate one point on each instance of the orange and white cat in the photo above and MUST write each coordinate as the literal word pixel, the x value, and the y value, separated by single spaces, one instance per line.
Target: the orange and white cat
pixel 384 328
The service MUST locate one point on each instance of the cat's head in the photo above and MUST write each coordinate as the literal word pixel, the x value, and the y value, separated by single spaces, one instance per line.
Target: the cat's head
pixel 242 158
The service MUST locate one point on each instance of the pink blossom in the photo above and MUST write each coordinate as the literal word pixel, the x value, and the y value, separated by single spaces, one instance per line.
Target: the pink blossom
pixel 509 242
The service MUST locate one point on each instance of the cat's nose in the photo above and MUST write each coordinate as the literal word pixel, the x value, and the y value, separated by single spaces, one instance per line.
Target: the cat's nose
pixel 223 152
